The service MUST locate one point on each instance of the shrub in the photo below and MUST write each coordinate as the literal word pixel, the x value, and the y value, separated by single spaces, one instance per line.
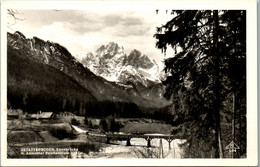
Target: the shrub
pixel 74 121
pixel 61 133
pixel 103 125
pixel 90 125
pixel 114 126
pixel 86 122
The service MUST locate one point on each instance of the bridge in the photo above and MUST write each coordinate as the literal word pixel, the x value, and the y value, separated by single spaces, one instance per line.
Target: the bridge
pixel 147 137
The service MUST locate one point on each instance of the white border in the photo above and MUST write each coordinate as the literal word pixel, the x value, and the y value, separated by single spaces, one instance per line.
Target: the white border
pixel 252 145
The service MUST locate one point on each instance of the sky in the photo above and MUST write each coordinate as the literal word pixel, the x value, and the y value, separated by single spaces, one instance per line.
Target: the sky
pixel 82 31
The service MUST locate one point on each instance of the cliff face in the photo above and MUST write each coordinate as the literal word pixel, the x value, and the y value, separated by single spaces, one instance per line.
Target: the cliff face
pixel 112 63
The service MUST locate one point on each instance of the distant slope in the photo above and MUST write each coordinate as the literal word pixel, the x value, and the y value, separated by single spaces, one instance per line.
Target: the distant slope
pixel 40 87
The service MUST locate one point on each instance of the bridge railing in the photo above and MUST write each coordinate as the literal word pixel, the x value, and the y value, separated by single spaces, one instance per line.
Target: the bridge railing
pixel 147 137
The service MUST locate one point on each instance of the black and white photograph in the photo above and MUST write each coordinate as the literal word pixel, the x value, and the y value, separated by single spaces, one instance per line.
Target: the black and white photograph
pixel 133 81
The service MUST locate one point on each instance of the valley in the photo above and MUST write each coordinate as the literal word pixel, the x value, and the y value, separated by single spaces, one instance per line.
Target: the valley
pixel 60 134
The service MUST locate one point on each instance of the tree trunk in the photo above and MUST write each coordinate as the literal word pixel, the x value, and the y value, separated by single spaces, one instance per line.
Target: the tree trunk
pixel 234 118
pixel 216 102
pixel 240 132
pixel 220 145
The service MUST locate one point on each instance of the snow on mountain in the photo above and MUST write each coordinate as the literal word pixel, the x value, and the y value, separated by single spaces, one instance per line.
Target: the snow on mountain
pixel 112 63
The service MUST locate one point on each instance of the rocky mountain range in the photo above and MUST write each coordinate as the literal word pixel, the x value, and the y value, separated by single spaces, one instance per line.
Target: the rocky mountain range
pixel 38 68
pixel 112 63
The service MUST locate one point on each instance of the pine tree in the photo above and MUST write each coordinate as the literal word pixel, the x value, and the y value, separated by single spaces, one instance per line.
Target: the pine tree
pixel 201 72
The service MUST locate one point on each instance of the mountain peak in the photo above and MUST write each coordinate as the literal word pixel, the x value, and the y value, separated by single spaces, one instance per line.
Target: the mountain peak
pixel 111 63
pixel 136 59
pixel 110 49
pixel 112 44
pixel 135 51
pixel 18 33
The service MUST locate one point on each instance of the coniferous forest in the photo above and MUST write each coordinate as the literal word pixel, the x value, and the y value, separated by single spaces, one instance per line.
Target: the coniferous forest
pixel 207 75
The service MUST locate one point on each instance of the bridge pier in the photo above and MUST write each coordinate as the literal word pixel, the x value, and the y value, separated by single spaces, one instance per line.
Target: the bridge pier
pixel 128 143
pixel 169 141
pixel 148 139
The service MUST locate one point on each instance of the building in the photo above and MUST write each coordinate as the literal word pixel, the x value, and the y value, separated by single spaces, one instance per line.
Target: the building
pixel 42 115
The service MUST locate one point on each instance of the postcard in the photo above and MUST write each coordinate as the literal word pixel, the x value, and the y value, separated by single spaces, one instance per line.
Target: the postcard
pixel 139 83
